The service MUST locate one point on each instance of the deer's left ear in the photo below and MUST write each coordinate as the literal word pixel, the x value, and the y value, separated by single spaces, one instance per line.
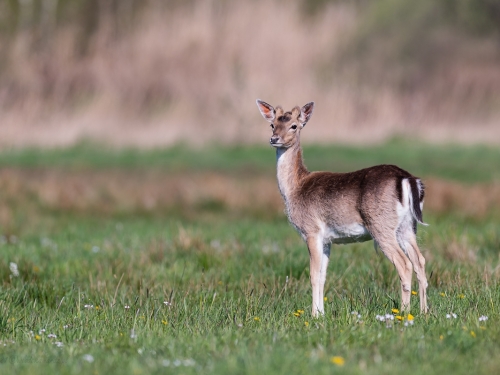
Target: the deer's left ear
pixel 267 111
pixel 306 113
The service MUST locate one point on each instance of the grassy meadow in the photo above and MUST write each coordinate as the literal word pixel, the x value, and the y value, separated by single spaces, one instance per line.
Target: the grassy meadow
pixel 96 282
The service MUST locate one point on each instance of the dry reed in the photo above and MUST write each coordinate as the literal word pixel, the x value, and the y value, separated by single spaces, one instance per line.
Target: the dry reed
pixel 192 74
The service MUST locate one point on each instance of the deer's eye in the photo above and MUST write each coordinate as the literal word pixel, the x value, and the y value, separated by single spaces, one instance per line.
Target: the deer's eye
pixel 294 127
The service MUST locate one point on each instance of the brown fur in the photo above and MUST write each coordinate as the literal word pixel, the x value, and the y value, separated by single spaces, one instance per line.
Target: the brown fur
pixel 381 203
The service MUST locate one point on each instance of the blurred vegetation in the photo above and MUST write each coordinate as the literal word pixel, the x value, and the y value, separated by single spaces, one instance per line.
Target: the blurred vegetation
pixel 400 65
pixel 475 17
pixel 43 18
pixel 415 36
pixel 418 40
pixel 413 19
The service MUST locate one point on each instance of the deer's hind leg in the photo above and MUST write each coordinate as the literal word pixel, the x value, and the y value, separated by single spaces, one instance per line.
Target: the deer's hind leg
pixel 408 241
pixel 389 245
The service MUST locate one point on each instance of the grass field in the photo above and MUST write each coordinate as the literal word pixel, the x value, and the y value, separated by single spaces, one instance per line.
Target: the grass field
pixel 214 290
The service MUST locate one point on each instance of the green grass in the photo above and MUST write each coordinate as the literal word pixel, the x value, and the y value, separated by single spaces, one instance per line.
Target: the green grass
pixel 233 285
pixel 460 163
pixel 219 276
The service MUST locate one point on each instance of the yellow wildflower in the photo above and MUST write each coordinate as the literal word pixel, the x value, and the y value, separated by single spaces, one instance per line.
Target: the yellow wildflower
pixel 325 299
pixel 399 317
pixel 38 337
pixel 336 360
pixel 165 322
pixel 256 319
pixel 410 317
pixel 306 324
pixel 414 293
pixel 461 296
pixel 395 311
pixel 472 333
pixel 441 337
pixel 296 314
pixel 300 311
pixel 442 294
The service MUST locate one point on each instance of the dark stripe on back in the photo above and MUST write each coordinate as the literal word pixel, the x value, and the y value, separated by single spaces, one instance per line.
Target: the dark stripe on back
pixel 399 189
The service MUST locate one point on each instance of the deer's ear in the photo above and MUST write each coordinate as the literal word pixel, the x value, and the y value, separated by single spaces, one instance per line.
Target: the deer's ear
pixel 267 111
pixel 306 113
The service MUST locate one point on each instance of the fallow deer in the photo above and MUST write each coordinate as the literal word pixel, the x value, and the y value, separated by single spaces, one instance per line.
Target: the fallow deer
pixel 383 203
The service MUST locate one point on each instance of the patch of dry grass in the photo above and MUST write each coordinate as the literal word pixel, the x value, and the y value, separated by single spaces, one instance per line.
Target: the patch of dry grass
pixel 134 191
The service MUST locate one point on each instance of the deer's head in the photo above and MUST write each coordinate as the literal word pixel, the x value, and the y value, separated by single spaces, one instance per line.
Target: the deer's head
pixel 286 126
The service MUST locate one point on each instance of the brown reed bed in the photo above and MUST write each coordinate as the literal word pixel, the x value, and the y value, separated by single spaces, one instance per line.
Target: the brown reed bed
pixel 192 73
pixel 112 192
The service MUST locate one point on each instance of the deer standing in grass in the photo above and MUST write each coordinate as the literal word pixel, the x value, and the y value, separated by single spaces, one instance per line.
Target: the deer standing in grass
pixel 383 203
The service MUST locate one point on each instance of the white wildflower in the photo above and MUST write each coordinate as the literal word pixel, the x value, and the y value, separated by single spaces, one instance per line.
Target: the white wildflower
pixel 127 307
pixel 380 318
pixel 483 318
pixel 51 336
pixel 133 335
pixel 13 268
pixel 89 306
pixel 189 362
pixel 59 344
pixel 167 303
pixel 95 249
pixel 88 358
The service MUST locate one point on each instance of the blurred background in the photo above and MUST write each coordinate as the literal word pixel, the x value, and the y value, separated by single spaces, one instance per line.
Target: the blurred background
pixel 159 72
pixel 117 107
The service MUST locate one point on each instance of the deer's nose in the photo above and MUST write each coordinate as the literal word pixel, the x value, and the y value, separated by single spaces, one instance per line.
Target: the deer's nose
pixel 274 139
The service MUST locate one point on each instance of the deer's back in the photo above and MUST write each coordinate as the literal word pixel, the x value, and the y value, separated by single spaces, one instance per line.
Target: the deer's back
pixel 340 200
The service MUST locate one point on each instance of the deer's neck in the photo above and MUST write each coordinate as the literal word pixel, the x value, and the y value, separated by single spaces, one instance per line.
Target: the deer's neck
pixel 290 170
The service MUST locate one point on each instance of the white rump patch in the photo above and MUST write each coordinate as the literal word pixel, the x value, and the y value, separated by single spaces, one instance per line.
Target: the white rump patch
pixel 403 209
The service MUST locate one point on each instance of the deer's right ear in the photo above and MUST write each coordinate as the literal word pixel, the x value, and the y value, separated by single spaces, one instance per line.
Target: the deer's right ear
pixel 266 110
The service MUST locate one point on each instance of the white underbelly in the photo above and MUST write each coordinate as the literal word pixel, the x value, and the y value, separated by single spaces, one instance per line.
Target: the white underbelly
pixel 346 234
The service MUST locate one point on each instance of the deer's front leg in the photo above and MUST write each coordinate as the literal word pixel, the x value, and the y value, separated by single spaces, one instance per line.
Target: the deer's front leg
pixel 318 255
